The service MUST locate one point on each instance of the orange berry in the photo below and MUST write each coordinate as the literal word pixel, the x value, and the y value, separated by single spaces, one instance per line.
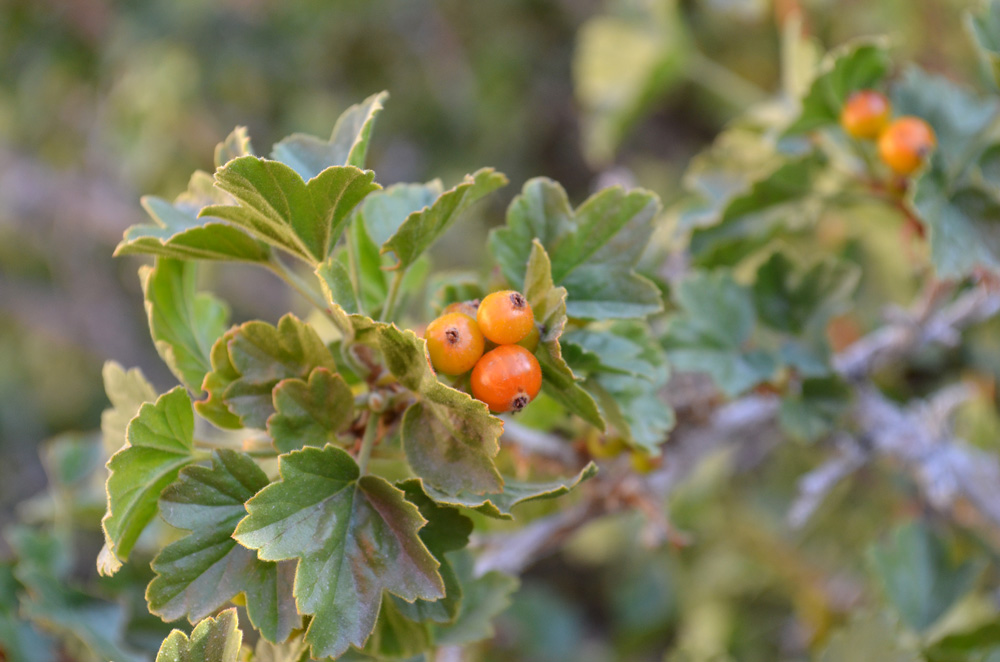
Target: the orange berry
pixel 507 378
pixel 905 144
pixel 505 317
pixel 865 114
pixel 465 307
pixel 454 343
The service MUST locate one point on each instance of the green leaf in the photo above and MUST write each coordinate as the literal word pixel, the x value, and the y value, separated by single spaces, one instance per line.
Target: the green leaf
pixel 593 249
pixel 160 443
pixel 213 640
pixel 355 327
pixel 786 199
pixel 868 636
pixel 635 408
pixel 310 413
pixel 353 536
pixel 50 602
pixel 815 411
pixel 184 323
pixel 204 570
pixel 223 373
pixel 498 505
pixel 236 144
pixel 483 599
pixel 127 391
pixel 178 232
pixel 979 645
pixel 793 300
pixel 548 303
pixel 450 438
pixel 293 650
pixel 621 66
pixel 856 65
pixel 985 29
pixel 422 228
pixel 710 333
pixel 918 575
pixel 263 355
pixel 277 206
pixel 348 145
pixel 378 218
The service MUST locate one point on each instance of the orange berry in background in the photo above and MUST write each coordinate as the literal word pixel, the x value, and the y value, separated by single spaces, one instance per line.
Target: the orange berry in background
pixel 507 378
pixel 454 343
pixel 865 114
pixel 905 144
pixel 465 307
pixel 505 317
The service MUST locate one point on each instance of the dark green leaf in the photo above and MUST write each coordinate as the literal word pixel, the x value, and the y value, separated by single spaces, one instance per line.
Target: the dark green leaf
pixel 548 303
pixel 353 536
pixel 277 206
pixel 499 505
pixel 422 228
pixel 212 640
pixel 204 570
pixel 310 413
pixel 348 145
pixel 263 355
pixel 790 299
pixel 160 443
pixel 450 438
pixel 126 391
pixel 785 199
pixel 184 323
pixel 918 575
pixel 815 411
pixel 593 249
pixel 979 645
pixel 484 598
pixel 857 65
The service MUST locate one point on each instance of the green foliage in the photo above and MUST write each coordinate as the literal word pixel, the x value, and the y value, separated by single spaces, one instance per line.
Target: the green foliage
pixel 310 413
pixel 160 443
pixel 213 640
pixel 918 575
pixel 867 637
pixel 985 28
pixel 353 536
pixel 127 391
pixel 203 571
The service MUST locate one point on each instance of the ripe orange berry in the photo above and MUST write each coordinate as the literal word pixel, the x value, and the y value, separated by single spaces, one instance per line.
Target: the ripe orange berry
pixel 905 144
pixel 507 378
pixel 865 114
pixel 454 343
pixel 505 317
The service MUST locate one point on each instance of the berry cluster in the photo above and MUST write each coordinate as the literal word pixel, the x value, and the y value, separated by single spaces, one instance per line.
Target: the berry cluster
pixel 495 339
pixel 903 143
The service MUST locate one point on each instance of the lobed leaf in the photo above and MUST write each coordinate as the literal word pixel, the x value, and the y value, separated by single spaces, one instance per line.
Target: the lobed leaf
pixel 348 144
pixel 212 640
pixel 276 205
pixel 310 413
pixel 353 537
pixel 223 373
pixel 184 323
pixel 483 598
pixel 236 144
pixel 160 443
pixel 985 29
pixel 204 570
pixel 499 505
pixel 422 228
pixel 593 249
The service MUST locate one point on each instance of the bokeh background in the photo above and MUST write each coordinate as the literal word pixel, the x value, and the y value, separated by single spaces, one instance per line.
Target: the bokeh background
pixel 102 102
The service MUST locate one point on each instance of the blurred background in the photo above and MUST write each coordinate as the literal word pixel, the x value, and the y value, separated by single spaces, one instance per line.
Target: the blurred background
pixel 102 102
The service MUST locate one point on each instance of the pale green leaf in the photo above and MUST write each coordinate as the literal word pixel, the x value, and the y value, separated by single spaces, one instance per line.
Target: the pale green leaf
pixel 212 640
pixel 127 391
pixel 310 413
